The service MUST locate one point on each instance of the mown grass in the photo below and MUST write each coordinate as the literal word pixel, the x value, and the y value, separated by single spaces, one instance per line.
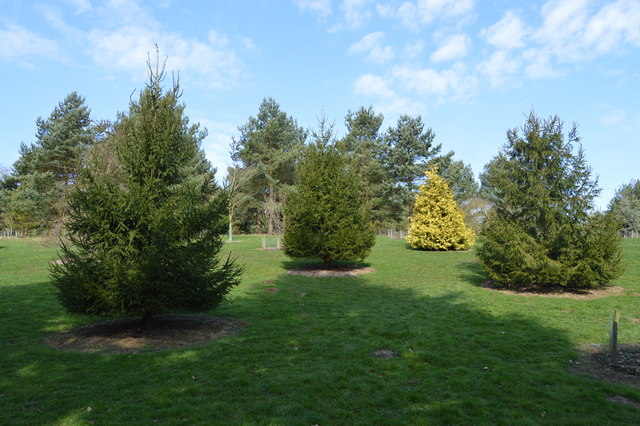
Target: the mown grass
pixel 467 355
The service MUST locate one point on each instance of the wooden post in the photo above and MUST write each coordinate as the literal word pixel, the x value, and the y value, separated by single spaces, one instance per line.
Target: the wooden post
pixel 264 243
pixel 613 341
pixel 278 242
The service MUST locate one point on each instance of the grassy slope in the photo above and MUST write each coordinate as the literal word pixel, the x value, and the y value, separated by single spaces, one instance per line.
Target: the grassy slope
pixel 305 359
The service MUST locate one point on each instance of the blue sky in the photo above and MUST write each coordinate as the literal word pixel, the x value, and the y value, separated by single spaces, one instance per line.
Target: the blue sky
pixel 472 69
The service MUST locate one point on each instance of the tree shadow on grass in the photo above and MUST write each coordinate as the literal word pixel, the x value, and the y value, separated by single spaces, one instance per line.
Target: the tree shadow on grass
pixel 307 357
pixel 472 273
pixel 290 264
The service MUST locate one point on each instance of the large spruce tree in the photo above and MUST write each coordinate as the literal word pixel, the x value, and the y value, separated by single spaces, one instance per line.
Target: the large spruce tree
pixel 325 216
pixel 145 228
pixel 437 222
pixel 542 230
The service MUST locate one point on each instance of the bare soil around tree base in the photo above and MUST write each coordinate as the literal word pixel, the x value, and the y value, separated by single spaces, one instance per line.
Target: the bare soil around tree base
pixel 128 336
pixel 560 292
pixel 338 270
pixel 595 361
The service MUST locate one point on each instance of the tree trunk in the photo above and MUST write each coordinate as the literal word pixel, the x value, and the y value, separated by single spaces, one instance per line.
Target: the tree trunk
pixel 271 202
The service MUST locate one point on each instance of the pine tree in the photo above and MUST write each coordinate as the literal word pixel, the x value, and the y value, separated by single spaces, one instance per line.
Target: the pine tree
pixel 325 216
pixel 36 189
pixel 625 206
pixel 409 148
pixel 364 146
pixel 270 143
pixel 542 231
pixel 437 222
pixel 145 231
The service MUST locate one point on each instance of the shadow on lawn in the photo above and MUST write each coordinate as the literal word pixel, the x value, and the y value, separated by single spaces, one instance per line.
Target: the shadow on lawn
pixel 472 273
pixel 306 358
pixel 289 264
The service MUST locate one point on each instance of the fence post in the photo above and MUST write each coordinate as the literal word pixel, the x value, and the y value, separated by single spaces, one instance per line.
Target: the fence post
pixel 613 341
pixel 264 243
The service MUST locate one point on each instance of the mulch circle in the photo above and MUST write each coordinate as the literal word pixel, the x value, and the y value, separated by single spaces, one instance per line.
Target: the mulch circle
pixel 578 294
pixel 330 271
pixel 595 360
pixel 127 336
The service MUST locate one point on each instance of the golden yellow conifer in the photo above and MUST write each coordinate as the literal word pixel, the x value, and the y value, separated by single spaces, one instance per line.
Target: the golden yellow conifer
pixel 437 222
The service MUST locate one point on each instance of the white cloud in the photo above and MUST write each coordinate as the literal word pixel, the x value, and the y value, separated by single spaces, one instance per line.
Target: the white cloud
pixel 508 33
pixel 81 6
pixel 127 49
pixel 415 14
pixel 452 48
pixel 539 64
pixel 499 67
pixel 562 27
pixel 322 8
pixel 614 24
pixel 18 43
pixel 370 84
pixel 248 43
pixel 356 14
pixel 454 82
pixel 389 102
pixel 413 50
pixel 573 33
pixel 371 44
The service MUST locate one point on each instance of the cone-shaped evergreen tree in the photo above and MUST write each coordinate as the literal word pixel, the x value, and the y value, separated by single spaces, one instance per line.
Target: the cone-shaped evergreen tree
pixel 325 216
pixel 437 222
pixel 542 231
pixel 145 232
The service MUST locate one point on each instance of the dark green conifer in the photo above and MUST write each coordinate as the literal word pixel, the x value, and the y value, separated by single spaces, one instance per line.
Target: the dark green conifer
pixel 325 217
pixel 145 229
pixel 542 230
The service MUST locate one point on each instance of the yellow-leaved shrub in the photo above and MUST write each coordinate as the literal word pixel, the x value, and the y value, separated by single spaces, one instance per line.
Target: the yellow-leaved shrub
pixel 437 222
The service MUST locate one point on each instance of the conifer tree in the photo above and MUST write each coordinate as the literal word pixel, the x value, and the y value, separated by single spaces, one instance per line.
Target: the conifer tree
pixel 364 145
pixel 437 222
pixel 325 216
pixel 270 143
pixel 542 231
pixel 625 206
pixel 408 149
pixel 145 230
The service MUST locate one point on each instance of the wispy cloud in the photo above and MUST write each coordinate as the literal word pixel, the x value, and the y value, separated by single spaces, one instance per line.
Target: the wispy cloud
pixel 372 46
pixel 81 6
pixel 454 82
pixel 356 12
pixel 571 32
pixel 499 67
pixel 452 48
pixel 508 33
pixel 416 14
pixel 21 45
pixel 127 49
pixel 123 39
pixel 322 8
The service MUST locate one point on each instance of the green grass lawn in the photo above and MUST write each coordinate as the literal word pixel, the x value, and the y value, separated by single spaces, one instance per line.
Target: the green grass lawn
pixel 467 355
